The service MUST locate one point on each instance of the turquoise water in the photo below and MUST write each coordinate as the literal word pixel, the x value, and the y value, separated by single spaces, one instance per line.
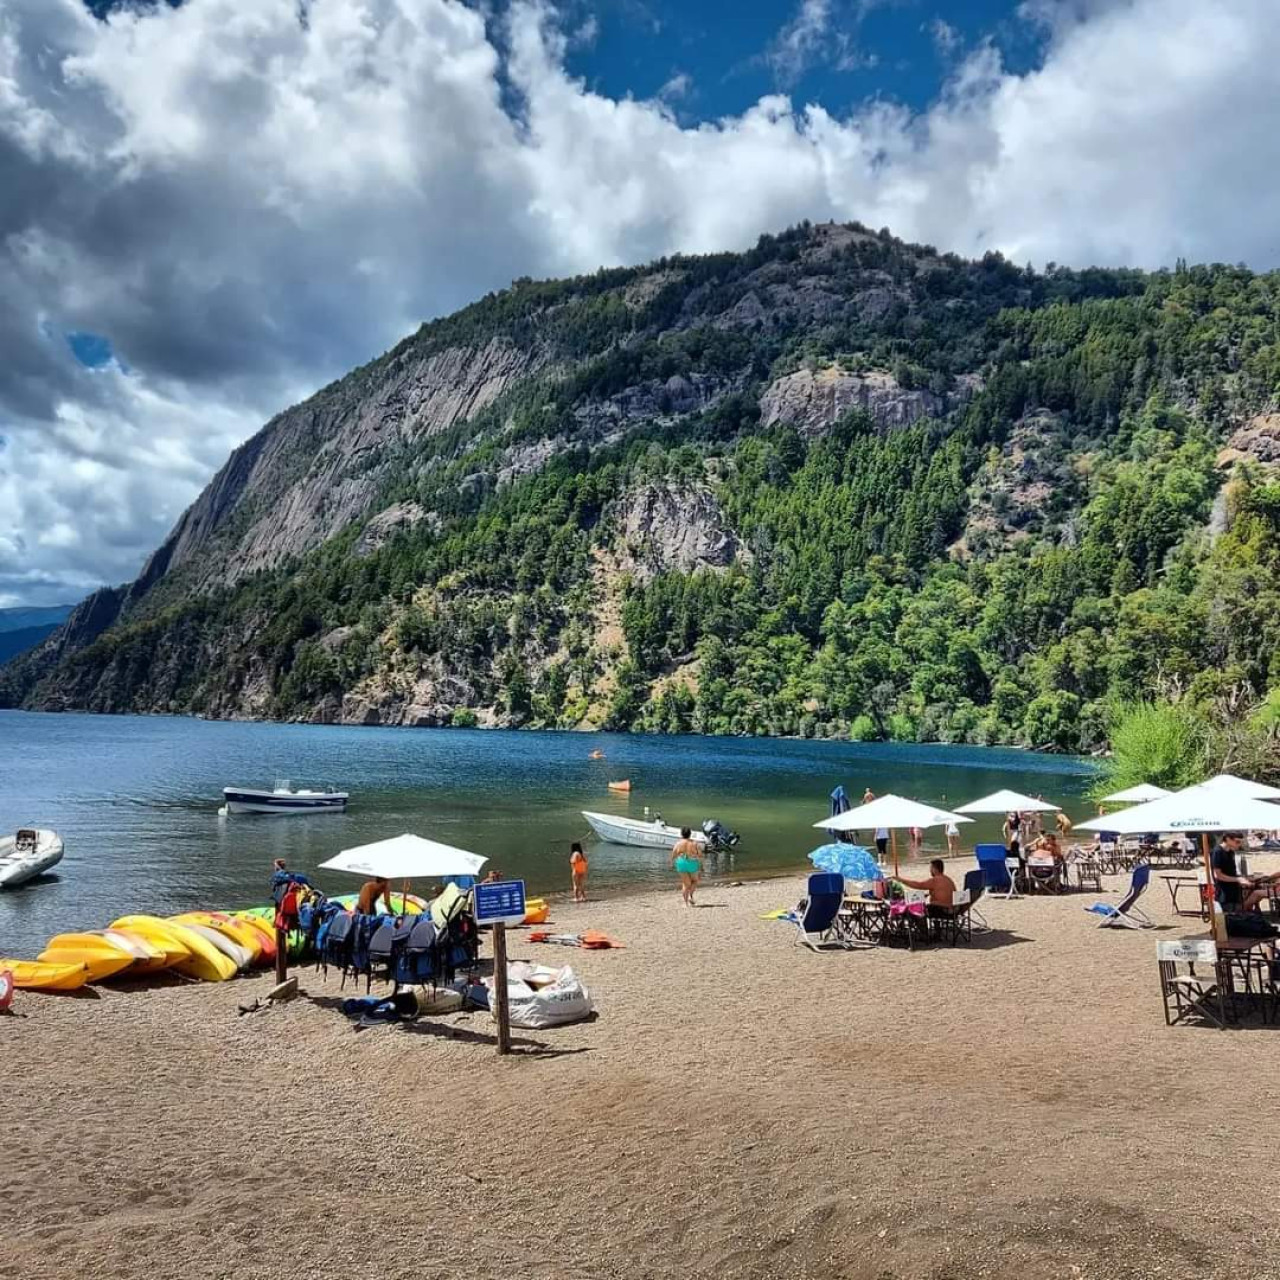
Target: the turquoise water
pixel 136 800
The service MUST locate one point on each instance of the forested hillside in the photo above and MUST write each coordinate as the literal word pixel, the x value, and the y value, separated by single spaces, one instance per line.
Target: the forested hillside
pixel 838 485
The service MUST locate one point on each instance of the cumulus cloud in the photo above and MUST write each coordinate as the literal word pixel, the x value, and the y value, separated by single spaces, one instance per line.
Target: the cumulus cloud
pixel 248 197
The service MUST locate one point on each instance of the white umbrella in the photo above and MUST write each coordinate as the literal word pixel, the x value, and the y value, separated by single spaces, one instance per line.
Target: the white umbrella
pixel 1007 802
pixel 1200 808
pixel 406 857
pixel 890 812
pixel 1203 808
pixel 1137 795
pixel 1242 787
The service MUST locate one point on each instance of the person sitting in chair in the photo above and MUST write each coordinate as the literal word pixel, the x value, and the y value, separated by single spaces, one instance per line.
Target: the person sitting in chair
pixel 1234 891
pixel 940 886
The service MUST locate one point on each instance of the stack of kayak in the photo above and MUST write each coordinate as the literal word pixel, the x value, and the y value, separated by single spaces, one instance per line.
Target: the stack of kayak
pixel 209 945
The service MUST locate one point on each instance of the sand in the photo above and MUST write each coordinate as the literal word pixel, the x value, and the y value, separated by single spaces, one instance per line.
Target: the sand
pixel 739 1107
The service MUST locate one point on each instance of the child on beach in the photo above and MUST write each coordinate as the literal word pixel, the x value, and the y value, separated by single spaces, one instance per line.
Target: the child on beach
pixel 578 866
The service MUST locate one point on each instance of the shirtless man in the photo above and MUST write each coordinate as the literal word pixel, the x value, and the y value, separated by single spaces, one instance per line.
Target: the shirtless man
pixel 370 892
pixel 941 887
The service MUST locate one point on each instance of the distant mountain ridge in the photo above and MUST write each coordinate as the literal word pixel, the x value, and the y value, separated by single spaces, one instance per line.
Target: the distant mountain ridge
pixel 24 627
pixel 837 484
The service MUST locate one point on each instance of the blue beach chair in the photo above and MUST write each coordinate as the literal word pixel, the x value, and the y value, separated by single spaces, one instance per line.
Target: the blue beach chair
pixel 818 916
pixel 1126 914
pixel 994 861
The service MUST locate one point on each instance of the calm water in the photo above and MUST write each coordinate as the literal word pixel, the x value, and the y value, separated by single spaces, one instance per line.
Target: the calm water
pixel 136 800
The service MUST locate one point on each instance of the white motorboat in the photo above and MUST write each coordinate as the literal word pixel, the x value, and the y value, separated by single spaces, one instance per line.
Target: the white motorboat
pixel 656 834
pixel 28 854
pixel 282 798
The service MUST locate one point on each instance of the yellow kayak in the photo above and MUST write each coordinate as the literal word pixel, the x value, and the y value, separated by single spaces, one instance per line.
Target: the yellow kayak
pixel 240 956
pixel 99 955
pixel 165 945
pixel 37 976
pixel 148 957
pixel 203 959
pixel 244 935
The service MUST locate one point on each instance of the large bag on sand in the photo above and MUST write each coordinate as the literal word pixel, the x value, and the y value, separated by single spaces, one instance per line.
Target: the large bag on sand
pixel 564 1000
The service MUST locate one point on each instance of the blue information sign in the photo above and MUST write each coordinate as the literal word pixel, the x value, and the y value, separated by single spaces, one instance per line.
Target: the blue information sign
pixel 500 902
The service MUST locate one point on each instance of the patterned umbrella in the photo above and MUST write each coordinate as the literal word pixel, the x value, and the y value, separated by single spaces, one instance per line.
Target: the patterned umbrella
pixel 849 860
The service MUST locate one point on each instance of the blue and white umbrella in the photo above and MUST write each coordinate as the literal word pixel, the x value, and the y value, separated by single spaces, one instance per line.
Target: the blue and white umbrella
pixel 849 860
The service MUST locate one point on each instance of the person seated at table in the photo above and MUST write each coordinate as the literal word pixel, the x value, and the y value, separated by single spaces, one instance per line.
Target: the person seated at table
pixel 940 886
pixel 1234 891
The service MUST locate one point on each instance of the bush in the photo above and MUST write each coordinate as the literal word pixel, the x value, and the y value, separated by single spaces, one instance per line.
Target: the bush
pixel 1159 742
pixel 863 729
pixel 464 718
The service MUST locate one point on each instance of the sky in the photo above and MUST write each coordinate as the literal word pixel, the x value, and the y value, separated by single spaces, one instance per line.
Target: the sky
pixel 208 211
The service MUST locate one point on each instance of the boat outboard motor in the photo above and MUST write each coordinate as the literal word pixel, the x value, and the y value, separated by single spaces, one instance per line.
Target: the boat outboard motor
pixel 718 835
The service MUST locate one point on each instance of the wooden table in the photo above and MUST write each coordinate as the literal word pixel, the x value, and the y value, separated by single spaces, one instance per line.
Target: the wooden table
pixel 1175 882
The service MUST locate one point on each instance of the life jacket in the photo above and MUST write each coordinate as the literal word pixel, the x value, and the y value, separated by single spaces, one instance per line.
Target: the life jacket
pixel 287 910
pixel 418 962
pixel 339 944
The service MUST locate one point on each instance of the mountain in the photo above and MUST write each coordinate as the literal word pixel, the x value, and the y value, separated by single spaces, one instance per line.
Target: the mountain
pixel 838 484
pixel 24 628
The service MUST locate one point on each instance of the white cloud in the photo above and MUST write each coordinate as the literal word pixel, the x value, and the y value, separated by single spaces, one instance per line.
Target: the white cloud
pixel 247 205
pixel 947 40
pixel 676 87
pixel 799 44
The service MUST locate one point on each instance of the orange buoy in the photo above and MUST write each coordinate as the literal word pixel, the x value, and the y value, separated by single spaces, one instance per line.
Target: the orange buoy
pixel 624 785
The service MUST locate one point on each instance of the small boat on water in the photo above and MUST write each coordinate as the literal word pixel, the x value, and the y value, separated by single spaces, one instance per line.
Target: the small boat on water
pixel 27 854
pixel 655 834
pixel 283 798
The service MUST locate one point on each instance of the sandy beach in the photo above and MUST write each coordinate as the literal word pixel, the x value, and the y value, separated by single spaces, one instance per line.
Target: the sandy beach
pixel 739 1107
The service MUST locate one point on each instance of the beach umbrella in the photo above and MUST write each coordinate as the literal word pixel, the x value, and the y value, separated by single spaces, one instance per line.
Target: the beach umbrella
pixel 849 860
pixel 1143 792
pixel 891 812
pixel 1202 809
pixel 1008 802
pixel 839 804
pixel 1229 783
pixel 406 858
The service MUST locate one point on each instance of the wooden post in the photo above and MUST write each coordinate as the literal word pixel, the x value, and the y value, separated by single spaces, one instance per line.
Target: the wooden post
pixel 500 987
pixel 282 956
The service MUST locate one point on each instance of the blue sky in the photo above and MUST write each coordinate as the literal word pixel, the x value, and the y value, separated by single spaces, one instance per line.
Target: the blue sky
pixel 715 58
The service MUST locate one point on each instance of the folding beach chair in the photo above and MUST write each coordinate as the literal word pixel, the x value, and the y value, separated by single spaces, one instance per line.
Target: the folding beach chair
pixel 975 887
pixel 818 915
pixel 999 871
pixel 1086 866
pixel 954 923
pixel 1126 913
pixel 1191 994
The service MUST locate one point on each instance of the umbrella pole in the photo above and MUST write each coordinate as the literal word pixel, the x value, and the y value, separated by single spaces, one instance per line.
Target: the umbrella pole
pixel 404 899
pixel 893 840
pixel 1209 894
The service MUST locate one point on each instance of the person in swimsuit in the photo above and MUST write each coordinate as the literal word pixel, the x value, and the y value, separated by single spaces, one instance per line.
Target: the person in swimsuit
pixel 686 859
pixel 578 866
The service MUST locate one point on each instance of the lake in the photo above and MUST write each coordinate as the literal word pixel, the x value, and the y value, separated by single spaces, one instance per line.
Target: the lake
pixel 136 799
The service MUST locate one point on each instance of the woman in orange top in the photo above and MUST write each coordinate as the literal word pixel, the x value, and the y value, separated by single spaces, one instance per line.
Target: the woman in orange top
pixel 578 865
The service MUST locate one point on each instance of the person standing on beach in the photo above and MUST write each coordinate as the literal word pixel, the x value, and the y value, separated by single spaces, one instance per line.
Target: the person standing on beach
pixel 882 842
pixel 1063 823
pixel 578 868
pixel 953 839
pixel 686 859
pixel 370 892
pixel 868 796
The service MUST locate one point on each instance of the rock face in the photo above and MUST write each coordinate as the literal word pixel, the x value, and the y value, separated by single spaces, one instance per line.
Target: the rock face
pixel 1258 439
pixel 386 524
pixel 813 402
pixel 313 469
pixel 662 526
